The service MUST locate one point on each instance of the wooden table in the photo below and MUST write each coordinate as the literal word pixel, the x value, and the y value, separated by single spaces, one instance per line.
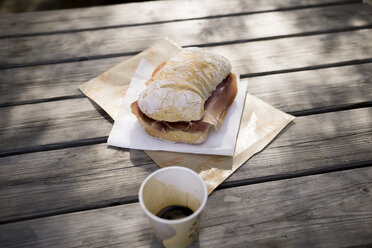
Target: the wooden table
pixel 60 186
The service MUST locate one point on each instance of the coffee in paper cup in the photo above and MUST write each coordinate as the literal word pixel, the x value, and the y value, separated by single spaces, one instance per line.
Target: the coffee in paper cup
pixel 173 199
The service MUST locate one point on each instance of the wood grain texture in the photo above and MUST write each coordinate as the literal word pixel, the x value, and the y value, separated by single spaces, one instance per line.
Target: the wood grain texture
pixel 92 176
pixel 65 197
pixel 51 122
pixel 48 81
pixel 329 210
pixel 311 89
pixel 138 13
pixel 297 52
pixel 352 83
pixel 47 48
pixel 63 121
pixel 316 141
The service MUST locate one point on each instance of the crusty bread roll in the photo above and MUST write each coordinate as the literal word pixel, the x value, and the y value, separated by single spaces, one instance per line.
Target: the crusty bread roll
pixel 180 89
pixel 186 96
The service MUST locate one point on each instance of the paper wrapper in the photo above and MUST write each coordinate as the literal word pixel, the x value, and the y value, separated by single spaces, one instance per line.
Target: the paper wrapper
pixel 128 133
pixel 259 125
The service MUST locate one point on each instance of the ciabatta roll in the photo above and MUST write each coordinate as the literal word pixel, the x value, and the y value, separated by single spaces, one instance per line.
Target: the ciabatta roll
pixel 187 95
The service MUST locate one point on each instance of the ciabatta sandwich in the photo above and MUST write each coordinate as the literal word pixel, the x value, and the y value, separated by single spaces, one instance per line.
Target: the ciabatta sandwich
pixel 186 96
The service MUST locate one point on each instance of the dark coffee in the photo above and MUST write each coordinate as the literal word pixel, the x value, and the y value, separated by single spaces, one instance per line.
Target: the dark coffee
pixel 174 212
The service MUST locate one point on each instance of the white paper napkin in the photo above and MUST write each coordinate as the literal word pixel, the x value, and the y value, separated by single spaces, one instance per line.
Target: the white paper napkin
pixel 128 133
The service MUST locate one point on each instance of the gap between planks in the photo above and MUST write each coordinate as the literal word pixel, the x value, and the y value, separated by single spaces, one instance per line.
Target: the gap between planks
pixel 290 8
pixel 224 185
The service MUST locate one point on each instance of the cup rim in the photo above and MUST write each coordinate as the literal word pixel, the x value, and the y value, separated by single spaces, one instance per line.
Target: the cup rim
pixel 165 221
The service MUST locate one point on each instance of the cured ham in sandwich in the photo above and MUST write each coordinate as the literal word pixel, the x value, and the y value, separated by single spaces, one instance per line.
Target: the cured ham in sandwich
pixel 186 96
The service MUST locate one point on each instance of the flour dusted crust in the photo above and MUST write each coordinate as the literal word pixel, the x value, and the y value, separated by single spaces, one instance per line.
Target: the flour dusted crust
pixel 180 89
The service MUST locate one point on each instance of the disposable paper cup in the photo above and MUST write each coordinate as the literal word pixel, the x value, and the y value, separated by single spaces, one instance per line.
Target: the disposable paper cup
pixel 168 187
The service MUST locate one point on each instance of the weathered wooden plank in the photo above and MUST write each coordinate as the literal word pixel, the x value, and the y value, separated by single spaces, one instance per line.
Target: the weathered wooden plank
pixel 90 176
pixel 351 83
pixel 138 13
pixel 37 124
pixel 331 210
pixel 328 210
pixel 298 52
pixel 41 49
pixel 48 81
pixel 315 139
pixel 301 90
